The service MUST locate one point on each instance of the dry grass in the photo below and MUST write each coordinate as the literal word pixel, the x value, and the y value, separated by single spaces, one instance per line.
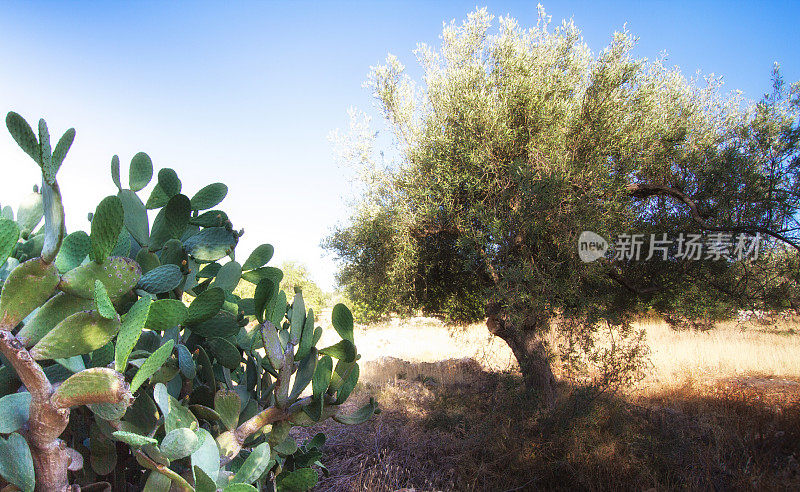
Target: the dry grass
pixel 718 410
pixel 728 351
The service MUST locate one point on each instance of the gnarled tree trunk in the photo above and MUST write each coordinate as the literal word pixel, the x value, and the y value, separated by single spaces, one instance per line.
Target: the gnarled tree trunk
pixel 529 348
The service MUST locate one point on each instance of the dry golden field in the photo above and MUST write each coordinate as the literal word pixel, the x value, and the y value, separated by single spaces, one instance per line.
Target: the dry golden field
pixel 717 410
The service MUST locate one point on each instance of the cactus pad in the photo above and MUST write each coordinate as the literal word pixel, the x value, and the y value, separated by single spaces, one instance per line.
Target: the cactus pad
pixel 27 287
pixel 118 274
pixel 54 311
pixel 106 225
pixel 78 334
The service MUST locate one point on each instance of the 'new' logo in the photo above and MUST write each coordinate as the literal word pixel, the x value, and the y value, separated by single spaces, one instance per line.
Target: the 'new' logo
pixel 591 246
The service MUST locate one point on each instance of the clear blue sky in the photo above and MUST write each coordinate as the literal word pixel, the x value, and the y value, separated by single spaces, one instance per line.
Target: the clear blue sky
pixel 247 93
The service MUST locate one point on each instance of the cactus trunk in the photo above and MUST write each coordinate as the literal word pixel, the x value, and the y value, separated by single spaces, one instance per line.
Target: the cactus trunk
pixel 49 453
pixel 51 464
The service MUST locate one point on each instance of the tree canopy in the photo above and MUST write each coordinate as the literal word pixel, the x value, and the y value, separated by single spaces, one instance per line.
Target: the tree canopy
pixel 517 140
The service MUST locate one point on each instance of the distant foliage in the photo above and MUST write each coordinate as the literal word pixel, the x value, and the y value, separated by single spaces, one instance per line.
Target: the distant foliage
pixel 516 140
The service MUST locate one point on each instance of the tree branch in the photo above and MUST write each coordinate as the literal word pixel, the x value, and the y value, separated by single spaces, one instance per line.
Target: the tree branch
pixel 642 190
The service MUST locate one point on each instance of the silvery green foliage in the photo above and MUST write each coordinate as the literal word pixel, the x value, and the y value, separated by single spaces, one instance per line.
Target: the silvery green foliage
pixel 514 140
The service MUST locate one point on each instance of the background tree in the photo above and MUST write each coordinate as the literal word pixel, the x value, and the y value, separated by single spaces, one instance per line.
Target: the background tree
pixel 518 140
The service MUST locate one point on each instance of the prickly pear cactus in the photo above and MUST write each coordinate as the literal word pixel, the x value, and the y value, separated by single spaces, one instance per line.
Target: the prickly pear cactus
pixel 128 361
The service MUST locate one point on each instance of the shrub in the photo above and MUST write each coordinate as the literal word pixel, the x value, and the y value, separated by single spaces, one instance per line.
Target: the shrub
pixel 107 373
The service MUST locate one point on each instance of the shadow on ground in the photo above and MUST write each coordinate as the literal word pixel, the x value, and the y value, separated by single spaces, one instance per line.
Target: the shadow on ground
pixel 453 426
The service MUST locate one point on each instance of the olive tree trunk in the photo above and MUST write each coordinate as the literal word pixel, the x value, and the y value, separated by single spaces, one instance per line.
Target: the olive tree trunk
pixel 530 349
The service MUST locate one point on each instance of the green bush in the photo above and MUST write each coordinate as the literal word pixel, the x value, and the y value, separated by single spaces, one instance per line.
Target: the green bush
pixel 107 376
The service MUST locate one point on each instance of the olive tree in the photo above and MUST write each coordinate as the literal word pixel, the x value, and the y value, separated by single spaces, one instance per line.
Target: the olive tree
pixel 515 141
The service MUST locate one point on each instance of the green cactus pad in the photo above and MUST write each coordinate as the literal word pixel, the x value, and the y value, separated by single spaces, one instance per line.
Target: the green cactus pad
pixel 298 318
pixel 209 271
pixel 54 311
pixel 102 302
pixel 23 134
pixel 209 196
pixel 29 213
pixel 228 276
pixel 202 482
pixel 163 278
pixel 30 248
pixel 342 320
pixel 102 356
pixel 186 362
pixel 205 413
pixel 344 351
pixel 206 458
pixel 348 385
pixel 176 215
pixel 179 443
pixel 225 352
pixel 157 198
pixel 133 440
pixel 147 260
pixel 95 385
pixel 211 218
pixel 107 223
pixel 140 172
pixel 168 182
pixel 45 151
pixel 178 417
pixel 102 451
pixel 172 253
pixel 166 314
pixel 62 147
pixel 276 309
pixel 307 336
pixel 255 276
pixel 130 331
pixel 78 334
pixel 27 287
pixel 16 462
pixel 298 480
pixel 304 374
pixel 272 344
pixel 115 172
pixel 135 216
pixel 228 405
pixel 74 250
pixel 14 411
pixel 340 374
pixel 205 306
pixel 211 244
pixel 171 222
pixel 255 465
pixel 151 365
pixel 9 235
pixel 322 377
pixel 259 257
pixel 143 414
pixel 123 246
pixel 265 291
pixel 223 324
pixel 118 274
pixel 206 369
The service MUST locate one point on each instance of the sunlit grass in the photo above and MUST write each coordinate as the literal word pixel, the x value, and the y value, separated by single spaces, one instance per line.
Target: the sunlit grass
pixel 677 358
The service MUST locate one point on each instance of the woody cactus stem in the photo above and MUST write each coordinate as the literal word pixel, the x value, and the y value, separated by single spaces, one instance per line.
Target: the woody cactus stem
pixel 47 422
pixel 231 442
pixel 49 410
